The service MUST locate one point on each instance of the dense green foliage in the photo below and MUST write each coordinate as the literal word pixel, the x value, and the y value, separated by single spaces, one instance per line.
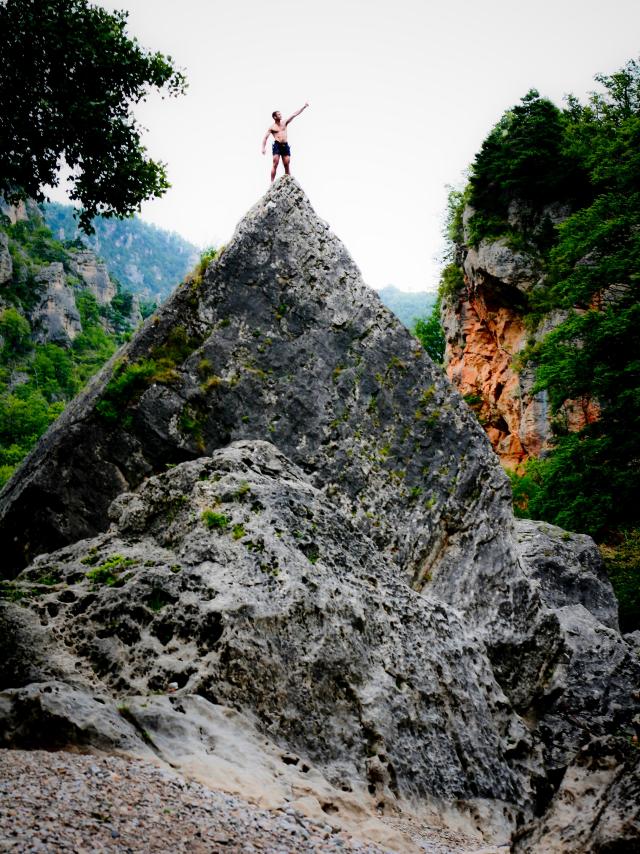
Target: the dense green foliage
pixel 585 158
pixel 622 561
pixel 429 333
pixel 37 379
pixel 68 79
pixel 590 482
pixel 146 260
pixel 525 159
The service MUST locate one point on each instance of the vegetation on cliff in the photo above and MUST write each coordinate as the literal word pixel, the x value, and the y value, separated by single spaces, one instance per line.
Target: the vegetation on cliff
pixel 584 160
pixel 147 260
pixel 428 331
pixel 38 378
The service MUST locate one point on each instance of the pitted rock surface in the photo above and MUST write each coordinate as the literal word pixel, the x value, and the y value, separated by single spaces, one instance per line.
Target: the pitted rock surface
pixel 597 807
pixel 271 501
pixel 284 611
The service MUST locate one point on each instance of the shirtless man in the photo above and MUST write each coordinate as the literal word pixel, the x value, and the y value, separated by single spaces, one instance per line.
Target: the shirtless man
pixel 280 145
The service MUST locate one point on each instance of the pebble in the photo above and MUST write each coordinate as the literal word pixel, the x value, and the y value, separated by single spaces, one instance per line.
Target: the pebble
pixel 51 802
pixel 86 804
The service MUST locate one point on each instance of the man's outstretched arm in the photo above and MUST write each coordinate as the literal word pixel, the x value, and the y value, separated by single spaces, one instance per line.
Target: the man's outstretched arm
pixel 291 118
pixel 264 141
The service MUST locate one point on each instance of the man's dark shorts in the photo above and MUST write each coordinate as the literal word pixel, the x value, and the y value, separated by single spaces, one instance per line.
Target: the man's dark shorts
pixel 281 148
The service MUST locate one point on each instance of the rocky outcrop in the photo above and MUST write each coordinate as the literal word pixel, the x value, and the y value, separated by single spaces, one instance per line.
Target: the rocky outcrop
pixel 15 213
pixel 6 264
pixel 135 315
pixel 485 330
pixel 281 341
pixel 604 784
pixel 238 580
pixel 272 501
pixel 51 308
pixel 55 316
pixel 93 274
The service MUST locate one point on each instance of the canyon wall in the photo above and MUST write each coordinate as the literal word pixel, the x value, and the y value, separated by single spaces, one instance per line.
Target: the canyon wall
pixel 487 327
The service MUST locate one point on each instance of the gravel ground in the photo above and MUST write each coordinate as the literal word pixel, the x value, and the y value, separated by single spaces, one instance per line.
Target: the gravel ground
pixel 55 802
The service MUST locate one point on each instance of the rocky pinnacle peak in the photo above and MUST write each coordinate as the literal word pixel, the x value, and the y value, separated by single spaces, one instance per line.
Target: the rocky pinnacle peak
pixel 279 339
pixel 272 518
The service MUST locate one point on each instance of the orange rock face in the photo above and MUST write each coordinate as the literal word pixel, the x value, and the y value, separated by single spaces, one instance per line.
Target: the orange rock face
pixel 485 331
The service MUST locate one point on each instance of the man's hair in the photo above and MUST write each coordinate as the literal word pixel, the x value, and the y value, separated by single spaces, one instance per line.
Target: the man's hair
pixel 274 113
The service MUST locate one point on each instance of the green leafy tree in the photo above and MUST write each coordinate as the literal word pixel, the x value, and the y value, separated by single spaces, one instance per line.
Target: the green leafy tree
pixel 15 332
pixel 68 80
pixel 429 333
pixel 523 159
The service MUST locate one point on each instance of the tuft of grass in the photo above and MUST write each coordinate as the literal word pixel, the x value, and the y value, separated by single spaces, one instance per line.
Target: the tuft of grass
pixel 311 551
pixel 91 558
pixel 473 399
pixel 210 383
pixel 129 380
pixel 109 572
pixel 243 490
pixel 238 531
pixel 190 423
pixel 158 599
pixel 206 258
pixel 11 592
pixel 215 521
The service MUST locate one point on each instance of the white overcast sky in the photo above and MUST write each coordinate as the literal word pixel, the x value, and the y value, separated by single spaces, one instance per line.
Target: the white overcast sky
pixel 401 93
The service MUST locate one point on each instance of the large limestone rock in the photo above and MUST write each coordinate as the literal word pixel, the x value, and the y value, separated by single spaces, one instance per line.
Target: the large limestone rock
pixel 281 341
pixel 6 264
pixel 239 581
pixel 94 275
pixel 55 318
pixel 272 500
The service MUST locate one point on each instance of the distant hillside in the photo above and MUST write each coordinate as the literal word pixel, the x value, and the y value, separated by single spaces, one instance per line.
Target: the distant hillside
pixel 61 318
pixel 145 259
pixel 408 306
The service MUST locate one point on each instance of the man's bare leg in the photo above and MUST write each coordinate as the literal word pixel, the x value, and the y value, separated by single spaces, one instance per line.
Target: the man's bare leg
pixel 276 160
pixel 286 158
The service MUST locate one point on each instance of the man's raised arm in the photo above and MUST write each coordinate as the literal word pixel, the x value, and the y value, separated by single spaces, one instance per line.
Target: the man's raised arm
pixel 291 118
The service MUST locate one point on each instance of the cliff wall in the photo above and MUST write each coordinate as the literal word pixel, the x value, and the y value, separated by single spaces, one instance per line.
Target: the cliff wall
pixel 486 330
